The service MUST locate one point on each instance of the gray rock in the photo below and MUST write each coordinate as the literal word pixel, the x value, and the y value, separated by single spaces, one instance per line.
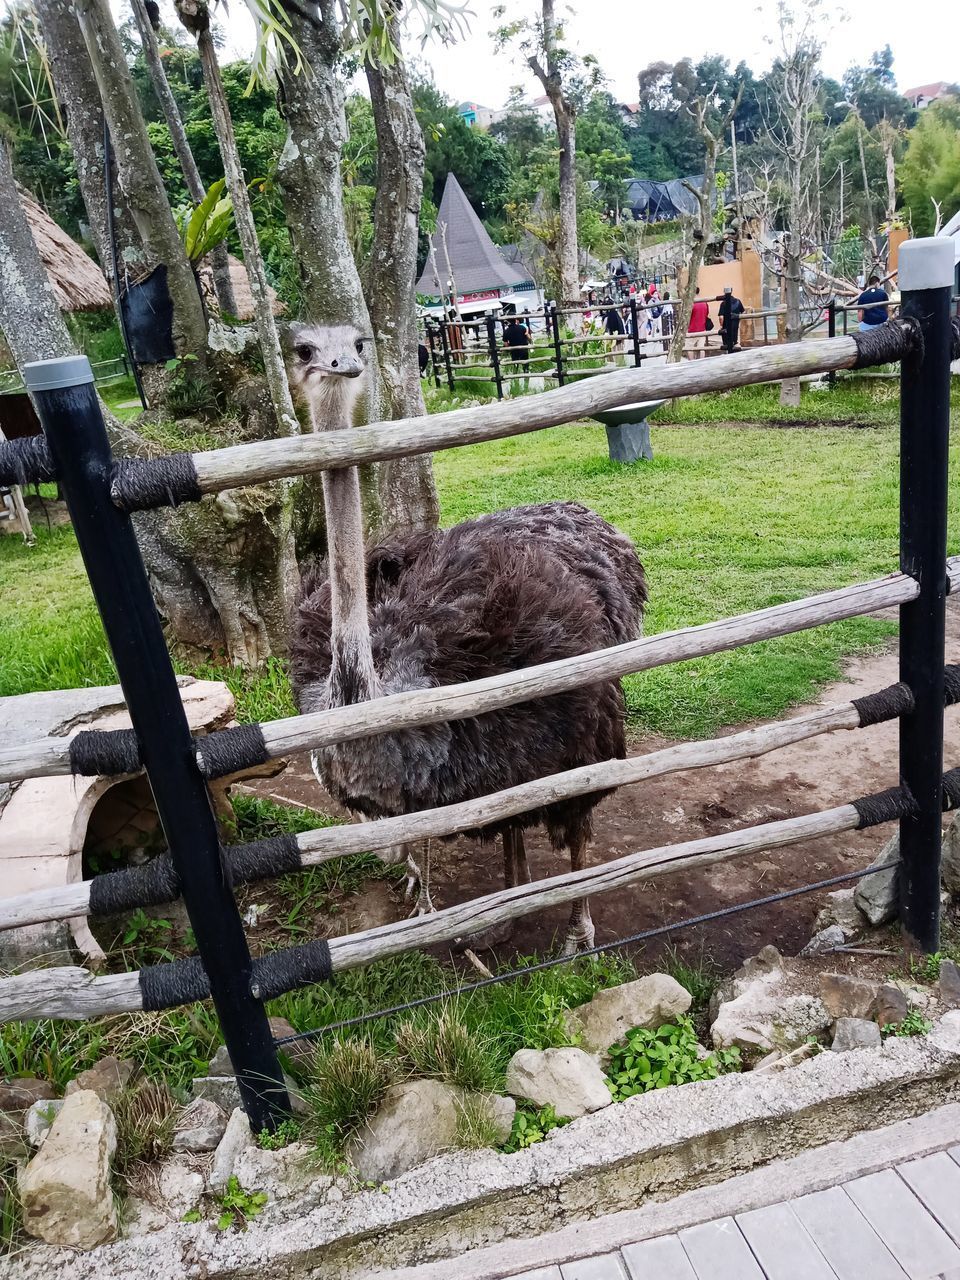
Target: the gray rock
pixel 200 1127
pixel 878 895
pixel 140 1217
pixel 416 1121
pixel 65 1190
pixel 225 1092
pixel 18 1095
pixel 220 1064
pixel 855 1033
pixel 847 997
pixel 106 1078
pixel 568 1080
pixel 840 908
pixel 236 1138
pixel 179 1187
pixel 777 1061
pixel 281 1174
pixel 890 1005
pixel 761 1008
pixel 607 1018
pixel 950 858
pixel 825 940
pixel 949 984
pixel 38 1119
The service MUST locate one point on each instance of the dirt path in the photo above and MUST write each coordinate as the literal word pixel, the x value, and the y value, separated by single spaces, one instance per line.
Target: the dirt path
pixel 818 774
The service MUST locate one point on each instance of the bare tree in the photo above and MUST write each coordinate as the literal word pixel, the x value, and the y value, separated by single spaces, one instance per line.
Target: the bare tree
pixel 195 16
pixel 712 125
pixel 408 495
pixel 144 16
pixel 138 174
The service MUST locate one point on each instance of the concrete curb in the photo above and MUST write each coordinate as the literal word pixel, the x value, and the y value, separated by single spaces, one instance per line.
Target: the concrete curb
pixel 649 1149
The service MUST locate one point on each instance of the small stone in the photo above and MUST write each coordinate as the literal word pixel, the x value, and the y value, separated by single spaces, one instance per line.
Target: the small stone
pixel 11 1135
pixel 281 1174
pixel 949 984
pixel 855 1033
pixel 38 1120
pixel 65 1190
pixel 236 1138
pixel 223 1090
pixel 298 1054
pixel 606 1019
pixel 761 1008
pixel 846 997
pixel 220 1064
pixel 778 1061
pixel 106 1078
pixel 140 1217
pixel 568 1080
pixel 890 1006
pixel 826 940
pixel 840 908
pixel 200 1128
pixel 180 1187
pixel 878 895
pixel 18 1095
pixel 950 858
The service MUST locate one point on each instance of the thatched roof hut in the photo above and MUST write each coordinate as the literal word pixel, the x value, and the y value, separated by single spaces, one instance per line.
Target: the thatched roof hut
pixel 78 283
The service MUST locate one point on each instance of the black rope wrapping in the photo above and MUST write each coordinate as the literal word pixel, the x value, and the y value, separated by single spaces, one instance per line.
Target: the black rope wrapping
pixel 104 751
pixel 283 971
pixel 951 789
pixel 263 859
pixel 886 704
pixel 884 806
pixel 165 986
pixel 113 891
pixel 887 343
pixel 231 750
pixel 140 484
pixel 951 685
pixel 26 461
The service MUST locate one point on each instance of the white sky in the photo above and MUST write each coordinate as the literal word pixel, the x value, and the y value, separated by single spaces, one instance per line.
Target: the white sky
pixel 626 35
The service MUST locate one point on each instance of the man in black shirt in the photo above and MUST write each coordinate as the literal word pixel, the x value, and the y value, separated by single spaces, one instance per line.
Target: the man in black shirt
pixel 516 341
pixel 871 313
pixel 731 309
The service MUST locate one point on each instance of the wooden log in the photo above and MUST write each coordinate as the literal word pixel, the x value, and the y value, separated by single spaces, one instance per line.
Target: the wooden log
pixel 326 843
pixel 50 756
pixel 264 460
pixel 73 993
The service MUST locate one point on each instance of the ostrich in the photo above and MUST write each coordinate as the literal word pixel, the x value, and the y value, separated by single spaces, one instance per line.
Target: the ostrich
pixel 417 610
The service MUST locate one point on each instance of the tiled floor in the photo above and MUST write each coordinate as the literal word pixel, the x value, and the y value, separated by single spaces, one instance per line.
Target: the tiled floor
pixel 899 1224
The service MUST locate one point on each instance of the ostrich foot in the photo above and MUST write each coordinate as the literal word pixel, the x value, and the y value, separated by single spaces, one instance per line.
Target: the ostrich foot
pixel 580 933
pixel 418 883
pixel 424 903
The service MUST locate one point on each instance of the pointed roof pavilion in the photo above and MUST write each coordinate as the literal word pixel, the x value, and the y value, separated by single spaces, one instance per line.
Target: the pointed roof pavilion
pixel 478 266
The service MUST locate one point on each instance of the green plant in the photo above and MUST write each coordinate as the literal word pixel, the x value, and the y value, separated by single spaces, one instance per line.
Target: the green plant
pixel 476 1129
pixel 926 968
pixel 146 1116
pixel 914 1024
pixel 208 225
pixel 146 936
pixel 349 1080
pixel 531 1125
pixel 235 1206
pixel 442 1047
pixel 11 1221
pixel 668 1055
pixel 287 1131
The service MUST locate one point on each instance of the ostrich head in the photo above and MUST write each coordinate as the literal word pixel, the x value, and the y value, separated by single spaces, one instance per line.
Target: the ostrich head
pixel 328 369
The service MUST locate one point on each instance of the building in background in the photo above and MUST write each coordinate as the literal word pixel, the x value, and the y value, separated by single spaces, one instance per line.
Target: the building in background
pixel 924 94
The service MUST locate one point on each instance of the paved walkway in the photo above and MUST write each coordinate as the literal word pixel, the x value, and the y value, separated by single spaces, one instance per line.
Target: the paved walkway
pixel 897 1224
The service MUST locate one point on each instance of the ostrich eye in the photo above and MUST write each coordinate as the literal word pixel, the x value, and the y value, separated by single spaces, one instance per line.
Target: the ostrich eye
pixel 359 345
pixel 303 352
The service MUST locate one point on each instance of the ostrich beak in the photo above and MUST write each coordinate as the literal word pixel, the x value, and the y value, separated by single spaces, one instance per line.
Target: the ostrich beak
pixel 347 366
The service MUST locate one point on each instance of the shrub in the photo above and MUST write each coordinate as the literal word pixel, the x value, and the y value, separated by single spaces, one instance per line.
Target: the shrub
pixel 146 1115
pixel 349 1080
pixel 654 1059
pixel 914 1024
pixel 531 1125
pixel 444 1049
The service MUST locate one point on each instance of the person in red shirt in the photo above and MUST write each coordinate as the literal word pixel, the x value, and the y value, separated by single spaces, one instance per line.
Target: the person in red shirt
pixel 697 332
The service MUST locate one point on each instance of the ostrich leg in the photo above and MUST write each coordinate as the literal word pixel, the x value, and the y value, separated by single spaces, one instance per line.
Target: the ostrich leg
pixel 516 869
pixel 580 931
pixel 418 878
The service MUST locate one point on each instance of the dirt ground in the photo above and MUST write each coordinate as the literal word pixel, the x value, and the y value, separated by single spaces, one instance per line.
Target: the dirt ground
pixel 818 774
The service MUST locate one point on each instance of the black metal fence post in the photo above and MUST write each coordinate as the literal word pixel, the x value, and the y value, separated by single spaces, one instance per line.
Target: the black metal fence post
pixel 445 345
pixel 557 348
pixel 73 424
pixel 494 355
pixel 926 274
pixel 635 328
pixel 832 331
pixel 434 362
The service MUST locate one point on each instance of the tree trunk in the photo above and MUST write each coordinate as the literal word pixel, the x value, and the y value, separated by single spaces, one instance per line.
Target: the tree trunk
pixel 698 252
pixel 219 258
pixel 76 89
pixel 223 570
pixel 266 325
pixel 569 244
pixel 139 176
pixel 793 320
pixel 408 495
pixel 867 200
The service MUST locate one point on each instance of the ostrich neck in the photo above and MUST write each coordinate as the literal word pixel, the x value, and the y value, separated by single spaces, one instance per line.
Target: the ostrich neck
pixel 352 675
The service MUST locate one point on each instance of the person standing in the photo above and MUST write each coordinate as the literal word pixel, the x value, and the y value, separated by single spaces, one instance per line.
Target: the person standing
pixel 666 319
pixel 697 332
pixel 516 343
pixel 731 309
pixel 613 326
pixel 871 312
